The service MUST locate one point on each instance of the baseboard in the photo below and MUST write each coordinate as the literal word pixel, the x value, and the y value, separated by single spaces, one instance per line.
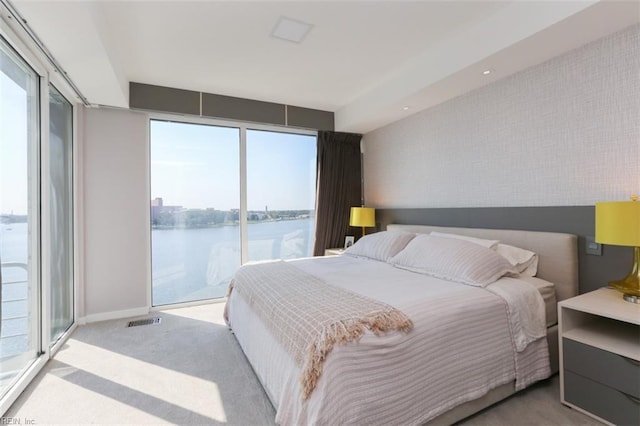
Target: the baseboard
pixel 104 316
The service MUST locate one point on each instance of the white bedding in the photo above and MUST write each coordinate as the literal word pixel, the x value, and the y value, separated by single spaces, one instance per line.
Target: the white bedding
pixel 461 347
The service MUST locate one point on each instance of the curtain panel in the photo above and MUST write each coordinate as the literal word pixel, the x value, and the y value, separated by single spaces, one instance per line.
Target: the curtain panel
pixel 338 187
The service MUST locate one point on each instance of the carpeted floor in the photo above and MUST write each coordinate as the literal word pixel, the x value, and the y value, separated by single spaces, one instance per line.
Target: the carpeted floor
pixel 190 370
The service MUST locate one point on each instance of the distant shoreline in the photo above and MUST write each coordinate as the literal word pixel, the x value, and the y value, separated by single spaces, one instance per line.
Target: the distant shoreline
pixel 13 218
pixel 220 225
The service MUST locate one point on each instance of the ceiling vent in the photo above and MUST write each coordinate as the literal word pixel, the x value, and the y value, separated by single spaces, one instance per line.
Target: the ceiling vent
pixel 291 30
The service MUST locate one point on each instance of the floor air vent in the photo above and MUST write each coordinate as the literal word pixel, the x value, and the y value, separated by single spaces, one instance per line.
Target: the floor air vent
pixel 148 321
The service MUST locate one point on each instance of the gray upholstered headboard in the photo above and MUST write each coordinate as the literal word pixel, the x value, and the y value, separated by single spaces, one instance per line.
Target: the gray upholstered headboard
pixel 557 252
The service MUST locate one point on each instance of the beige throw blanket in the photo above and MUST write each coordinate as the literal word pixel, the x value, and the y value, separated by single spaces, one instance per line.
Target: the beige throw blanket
pixel 308 316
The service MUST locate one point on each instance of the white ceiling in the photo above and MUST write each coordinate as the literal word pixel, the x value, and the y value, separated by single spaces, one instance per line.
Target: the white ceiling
pixel 364 60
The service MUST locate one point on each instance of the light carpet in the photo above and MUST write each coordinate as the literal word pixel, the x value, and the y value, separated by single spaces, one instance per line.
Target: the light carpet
pixel 189 369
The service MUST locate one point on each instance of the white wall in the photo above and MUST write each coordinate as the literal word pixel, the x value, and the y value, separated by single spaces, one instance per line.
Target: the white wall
pixel 115 209
pixel 566 132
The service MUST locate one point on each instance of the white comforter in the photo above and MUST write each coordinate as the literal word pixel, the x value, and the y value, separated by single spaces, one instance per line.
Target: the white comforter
pixel 466 341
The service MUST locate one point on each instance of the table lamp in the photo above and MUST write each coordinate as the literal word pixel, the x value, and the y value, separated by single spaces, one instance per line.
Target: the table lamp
pixel 618 224
pixel 363 217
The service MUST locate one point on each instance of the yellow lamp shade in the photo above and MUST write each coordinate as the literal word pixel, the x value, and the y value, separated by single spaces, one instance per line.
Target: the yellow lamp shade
pixel 363 216
pixel 618 223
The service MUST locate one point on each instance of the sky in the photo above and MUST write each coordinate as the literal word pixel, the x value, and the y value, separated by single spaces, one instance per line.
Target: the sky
pixel 192 165
pixel 13 147
pixel 198 166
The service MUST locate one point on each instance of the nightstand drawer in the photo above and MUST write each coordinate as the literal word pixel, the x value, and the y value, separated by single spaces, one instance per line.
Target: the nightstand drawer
pixel 604 367
pixel 605 402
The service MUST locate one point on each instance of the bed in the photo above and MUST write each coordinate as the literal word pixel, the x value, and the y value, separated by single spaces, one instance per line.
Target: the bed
pixel 467 348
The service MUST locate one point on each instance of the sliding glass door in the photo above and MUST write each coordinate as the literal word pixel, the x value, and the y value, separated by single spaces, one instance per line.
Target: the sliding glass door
pixel 61 212
pixel 19 217
pixel 221 196
pixel 195 210
pixel 281 178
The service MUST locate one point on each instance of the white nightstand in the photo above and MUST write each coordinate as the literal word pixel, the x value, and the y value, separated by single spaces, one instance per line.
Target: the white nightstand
pixel 600 356
pixel 333 251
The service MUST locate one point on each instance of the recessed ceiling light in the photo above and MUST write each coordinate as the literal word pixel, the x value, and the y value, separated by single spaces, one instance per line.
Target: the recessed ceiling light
pixel 487 72
pixel 291 30
pixel 406 108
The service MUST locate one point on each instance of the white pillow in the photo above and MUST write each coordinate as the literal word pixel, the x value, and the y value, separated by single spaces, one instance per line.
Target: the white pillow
pixel 453 259
pixel 484 243
pixel 548 292
pixel 380 245
pixel 525 261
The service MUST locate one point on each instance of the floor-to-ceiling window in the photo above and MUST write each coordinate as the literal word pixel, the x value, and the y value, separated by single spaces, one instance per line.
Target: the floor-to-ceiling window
pixel 61 212
pixel 195 191
pixel 223 195
pixel 36 216
pixel 19 217
pixel 281 178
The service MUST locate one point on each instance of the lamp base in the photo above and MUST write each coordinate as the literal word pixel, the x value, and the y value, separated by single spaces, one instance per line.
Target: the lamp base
pixel 631 298
pixel 629 286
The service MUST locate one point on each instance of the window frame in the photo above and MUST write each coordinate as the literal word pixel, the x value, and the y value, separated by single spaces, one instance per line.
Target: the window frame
pixel 28 52
pixel 243 126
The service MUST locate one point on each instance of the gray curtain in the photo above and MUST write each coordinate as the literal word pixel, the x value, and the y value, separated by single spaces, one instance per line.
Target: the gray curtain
pixel 338 188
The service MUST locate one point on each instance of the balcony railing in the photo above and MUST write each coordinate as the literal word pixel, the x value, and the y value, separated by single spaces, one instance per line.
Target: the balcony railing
pixel 14 310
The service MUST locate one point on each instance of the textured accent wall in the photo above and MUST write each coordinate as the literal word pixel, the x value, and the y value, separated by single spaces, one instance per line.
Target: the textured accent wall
pixel 566 132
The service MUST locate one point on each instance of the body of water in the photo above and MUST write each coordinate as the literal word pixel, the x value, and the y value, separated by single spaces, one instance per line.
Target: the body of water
pixel 14 338
pixel 187 264
pixel 196 264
